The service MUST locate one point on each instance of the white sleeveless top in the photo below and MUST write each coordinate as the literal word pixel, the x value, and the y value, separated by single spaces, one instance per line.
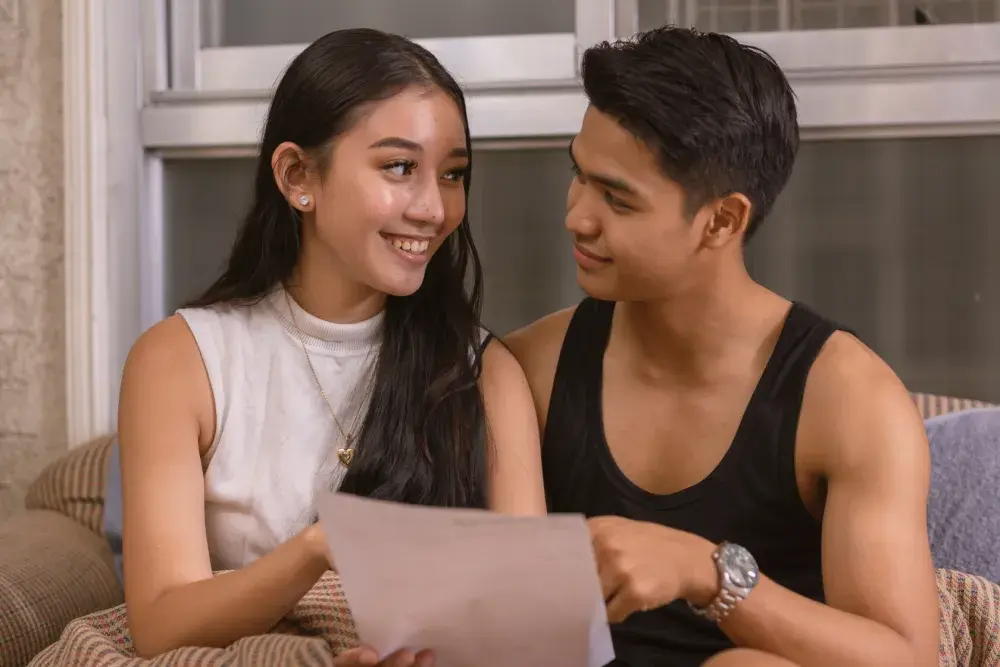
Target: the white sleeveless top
pixel 275 440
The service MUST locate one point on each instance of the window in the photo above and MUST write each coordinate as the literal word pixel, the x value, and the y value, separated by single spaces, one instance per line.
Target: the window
pixel 737 16
pixel 896 240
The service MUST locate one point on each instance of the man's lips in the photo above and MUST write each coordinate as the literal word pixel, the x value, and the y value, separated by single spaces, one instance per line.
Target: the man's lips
pixel 590 254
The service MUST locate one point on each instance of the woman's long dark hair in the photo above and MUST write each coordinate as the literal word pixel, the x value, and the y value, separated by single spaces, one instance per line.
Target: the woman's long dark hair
pixel 422 438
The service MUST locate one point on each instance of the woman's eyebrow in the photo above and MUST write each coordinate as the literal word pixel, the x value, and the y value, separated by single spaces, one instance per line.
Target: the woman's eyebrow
pixel 410 145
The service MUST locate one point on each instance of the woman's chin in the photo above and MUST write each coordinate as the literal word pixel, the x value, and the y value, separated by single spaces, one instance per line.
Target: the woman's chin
pixel 400 285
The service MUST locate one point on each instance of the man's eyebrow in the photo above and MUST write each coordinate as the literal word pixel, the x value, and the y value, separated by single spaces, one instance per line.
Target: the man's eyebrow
pixel 610 182
pixel 409 145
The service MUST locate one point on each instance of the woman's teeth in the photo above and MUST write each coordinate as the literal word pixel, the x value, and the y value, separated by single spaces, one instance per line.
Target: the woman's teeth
pixel 415 247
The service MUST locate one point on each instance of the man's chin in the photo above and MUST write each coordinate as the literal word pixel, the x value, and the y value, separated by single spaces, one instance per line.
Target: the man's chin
pixel 599 287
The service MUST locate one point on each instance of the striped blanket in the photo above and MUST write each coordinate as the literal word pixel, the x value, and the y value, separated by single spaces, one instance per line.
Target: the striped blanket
pixel 320 627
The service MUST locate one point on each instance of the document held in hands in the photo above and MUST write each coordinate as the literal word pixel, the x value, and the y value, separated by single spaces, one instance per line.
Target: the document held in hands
pixel 480 589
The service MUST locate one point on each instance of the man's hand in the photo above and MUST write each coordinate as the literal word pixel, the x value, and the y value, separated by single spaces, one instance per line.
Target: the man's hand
pixel 643 566
pixel 363 656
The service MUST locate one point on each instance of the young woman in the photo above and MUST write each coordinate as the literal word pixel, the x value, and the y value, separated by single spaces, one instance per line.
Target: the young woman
pixel 340 349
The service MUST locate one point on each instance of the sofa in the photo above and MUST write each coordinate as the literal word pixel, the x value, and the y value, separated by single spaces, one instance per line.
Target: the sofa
pixel 56 566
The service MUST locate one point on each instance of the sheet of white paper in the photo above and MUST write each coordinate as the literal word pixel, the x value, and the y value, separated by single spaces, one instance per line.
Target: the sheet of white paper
pixel 479 588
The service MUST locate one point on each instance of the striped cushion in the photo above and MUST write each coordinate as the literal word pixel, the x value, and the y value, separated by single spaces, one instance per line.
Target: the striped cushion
pixel 318 628
pixel 73 485
pixel 931 405
pixel 52 570
pixel 970 620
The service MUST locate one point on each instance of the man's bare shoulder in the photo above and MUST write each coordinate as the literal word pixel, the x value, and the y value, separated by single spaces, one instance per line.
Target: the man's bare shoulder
pixel 541 340
pixel 857 408
pixel 848 370
pixel 536 347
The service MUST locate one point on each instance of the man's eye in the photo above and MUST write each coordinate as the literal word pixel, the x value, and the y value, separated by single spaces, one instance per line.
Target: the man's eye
pixel 615 203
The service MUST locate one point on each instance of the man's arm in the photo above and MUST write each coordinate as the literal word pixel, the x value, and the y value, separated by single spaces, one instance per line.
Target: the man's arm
pixel 536 348
pixel 863 431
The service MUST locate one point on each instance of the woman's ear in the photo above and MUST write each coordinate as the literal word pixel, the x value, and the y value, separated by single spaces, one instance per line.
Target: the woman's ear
pixel 295 175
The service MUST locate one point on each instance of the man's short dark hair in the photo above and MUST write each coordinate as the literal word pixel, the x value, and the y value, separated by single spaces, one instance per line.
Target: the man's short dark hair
pixel 719 115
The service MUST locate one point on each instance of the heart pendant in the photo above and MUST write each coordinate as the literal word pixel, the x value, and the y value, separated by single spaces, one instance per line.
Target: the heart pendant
pixel 346 456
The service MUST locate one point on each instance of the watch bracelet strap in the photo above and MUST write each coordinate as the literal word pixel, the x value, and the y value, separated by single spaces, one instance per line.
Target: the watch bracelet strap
pixel 723 604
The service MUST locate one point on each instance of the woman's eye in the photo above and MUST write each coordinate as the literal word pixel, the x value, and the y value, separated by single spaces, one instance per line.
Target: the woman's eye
pixel 456 176
pixel 401 168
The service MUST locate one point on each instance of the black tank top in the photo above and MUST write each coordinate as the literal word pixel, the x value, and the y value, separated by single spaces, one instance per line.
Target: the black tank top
pixel 751 498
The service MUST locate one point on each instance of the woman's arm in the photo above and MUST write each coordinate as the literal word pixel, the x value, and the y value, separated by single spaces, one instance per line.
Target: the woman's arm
pixel 512 435
pixel 166 419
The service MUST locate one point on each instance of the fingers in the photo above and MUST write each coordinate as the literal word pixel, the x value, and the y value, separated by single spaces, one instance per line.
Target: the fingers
pixel 610 579
pixel 425 658
pixel 401 658
pixel 622 605
pixel 600 524
pixel 612 571
pixel 363 656
pixel 407 658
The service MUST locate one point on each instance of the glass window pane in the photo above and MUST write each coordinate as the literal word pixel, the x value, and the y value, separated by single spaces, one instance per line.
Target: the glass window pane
pixel 762 15
pixel 949 11
pixel 527 260
pixel 829 14
pixel 897 240
pixel 262 22
pixel 517 207
pixel 204 200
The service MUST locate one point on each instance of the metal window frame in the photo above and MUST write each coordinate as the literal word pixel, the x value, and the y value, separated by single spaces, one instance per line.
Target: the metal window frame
pixel 509 60
pixel 102 96
pixel 873 82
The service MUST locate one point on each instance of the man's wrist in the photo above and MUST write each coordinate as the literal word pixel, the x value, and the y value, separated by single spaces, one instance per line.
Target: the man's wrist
pixel 701 579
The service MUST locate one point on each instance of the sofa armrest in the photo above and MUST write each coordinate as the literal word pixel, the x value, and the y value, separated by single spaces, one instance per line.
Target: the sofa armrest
pixel 52 570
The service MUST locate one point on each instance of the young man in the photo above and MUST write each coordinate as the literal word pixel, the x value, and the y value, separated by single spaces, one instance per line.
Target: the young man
pixel 755 477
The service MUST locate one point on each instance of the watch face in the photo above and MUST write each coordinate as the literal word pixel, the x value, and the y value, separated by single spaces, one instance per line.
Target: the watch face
pixel 739 564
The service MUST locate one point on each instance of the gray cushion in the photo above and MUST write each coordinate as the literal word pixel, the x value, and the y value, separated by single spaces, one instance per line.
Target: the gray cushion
pixel 113 509
pixel 963 510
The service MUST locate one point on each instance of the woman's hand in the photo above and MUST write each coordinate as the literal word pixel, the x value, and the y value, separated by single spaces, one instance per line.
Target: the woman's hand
pixel 317 545
pixel 363 656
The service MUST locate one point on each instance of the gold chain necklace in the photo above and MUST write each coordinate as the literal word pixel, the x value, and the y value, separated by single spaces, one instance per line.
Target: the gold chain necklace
pixel 346 453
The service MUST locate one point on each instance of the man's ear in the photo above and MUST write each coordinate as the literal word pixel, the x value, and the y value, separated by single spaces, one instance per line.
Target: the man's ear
pixel 730 216
pixel 294 173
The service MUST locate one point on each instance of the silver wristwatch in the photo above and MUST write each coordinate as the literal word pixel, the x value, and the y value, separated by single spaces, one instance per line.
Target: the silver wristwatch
pixel 738 574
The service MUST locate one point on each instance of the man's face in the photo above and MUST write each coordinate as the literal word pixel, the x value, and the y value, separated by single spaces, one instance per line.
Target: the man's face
pixel 632 239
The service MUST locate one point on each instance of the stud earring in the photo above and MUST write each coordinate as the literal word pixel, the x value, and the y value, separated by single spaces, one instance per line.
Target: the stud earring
pixel 304 200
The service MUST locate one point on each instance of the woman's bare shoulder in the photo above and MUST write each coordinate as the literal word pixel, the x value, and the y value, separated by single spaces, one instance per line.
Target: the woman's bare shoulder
pixel 164 372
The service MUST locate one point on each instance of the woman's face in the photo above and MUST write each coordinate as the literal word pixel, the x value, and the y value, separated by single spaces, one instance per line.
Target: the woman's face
pixel 392 193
